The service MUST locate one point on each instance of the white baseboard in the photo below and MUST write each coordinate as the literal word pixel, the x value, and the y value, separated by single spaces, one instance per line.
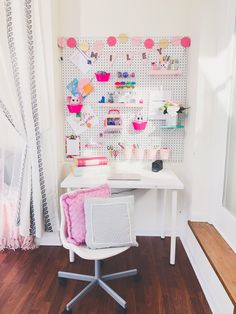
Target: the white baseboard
pixel 49 239
pixel 215 293
pixel 199 217
pixel 154 232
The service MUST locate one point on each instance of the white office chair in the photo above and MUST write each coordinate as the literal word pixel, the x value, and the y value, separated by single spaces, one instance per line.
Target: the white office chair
pixel 97 255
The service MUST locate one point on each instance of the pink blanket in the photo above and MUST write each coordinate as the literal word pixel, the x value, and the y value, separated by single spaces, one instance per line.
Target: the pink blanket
pixel 9 232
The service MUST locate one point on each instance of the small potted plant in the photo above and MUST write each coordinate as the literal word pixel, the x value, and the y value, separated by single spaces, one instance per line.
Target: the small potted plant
pixel 172 109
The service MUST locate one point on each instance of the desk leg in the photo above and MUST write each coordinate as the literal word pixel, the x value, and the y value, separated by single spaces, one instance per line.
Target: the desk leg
pixel 71 256
pixel 173 227
pixel 163 212
pixel 71 253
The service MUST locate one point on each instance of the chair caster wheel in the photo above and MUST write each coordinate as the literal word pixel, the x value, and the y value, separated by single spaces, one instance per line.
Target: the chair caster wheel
pixel 122 310
pixel 62 282
pixel 137 277
pixel 67 311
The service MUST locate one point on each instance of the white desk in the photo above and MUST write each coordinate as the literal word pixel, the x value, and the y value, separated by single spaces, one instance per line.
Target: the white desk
pixel 164 180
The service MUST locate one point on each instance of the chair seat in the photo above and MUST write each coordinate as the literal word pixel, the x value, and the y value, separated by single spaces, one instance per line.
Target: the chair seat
pixel 84 252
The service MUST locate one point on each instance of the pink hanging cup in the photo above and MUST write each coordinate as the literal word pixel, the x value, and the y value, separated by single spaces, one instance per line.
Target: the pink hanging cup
pixel 102 77
pixel 74 108
pixel 139 126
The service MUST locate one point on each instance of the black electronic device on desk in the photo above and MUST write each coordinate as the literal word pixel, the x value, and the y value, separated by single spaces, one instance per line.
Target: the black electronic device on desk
pixel 157 165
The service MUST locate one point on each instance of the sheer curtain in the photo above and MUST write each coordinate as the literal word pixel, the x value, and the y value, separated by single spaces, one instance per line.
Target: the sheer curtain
pixel 28 183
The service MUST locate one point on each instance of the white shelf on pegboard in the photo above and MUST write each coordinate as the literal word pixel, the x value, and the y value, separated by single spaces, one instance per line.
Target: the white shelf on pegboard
pixel 121 105
pixel 165 72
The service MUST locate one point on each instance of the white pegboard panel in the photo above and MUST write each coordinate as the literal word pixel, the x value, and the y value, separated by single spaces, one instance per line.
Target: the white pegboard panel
pixel 153 135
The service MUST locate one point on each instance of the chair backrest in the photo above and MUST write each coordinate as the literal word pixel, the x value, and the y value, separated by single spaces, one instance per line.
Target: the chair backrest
pixel 72 213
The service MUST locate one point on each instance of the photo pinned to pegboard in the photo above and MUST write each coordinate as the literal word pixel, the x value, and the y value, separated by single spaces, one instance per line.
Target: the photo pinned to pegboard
pixel 109 80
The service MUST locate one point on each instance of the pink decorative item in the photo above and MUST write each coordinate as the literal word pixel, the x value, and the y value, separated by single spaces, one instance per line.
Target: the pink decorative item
pixel 102 77
pixel 164 153
pixel 111 41
pixel 136 41
pixel 81 84
pixel 74 108
pixel 74 104
pixel 10 238
pixel 176 41
pixel 71 42
pixel 185 42
pixel 155 66
pixel 61 42
pixel 73 205
pixel 139 153
pixel 139 126
pixel 98 45
pixel 128 153
pixel 151 154
pixel 149 43
pixel 90 161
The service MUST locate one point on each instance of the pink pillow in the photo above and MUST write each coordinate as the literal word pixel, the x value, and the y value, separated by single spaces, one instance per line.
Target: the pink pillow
pixel 73 204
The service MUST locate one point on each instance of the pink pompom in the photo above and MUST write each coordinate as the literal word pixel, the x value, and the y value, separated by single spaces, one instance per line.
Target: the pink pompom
pixel 149 43
pixel 176 41
pixel 61 42
pixel 71 42
pixel 111 41
pixel 98 45
pixel 136 41
pixel 185 42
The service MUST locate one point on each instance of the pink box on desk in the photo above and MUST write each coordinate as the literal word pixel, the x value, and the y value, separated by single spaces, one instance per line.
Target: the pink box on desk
pixel 90 161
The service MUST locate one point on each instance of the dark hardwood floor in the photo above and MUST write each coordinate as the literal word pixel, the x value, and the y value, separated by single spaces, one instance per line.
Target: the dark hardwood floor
pixel 29 285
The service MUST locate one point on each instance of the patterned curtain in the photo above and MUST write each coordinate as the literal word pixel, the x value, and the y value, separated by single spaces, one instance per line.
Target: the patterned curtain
pixel 29 198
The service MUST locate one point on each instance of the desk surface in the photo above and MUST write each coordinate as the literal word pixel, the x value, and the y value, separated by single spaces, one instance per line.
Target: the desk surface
pixel 164 179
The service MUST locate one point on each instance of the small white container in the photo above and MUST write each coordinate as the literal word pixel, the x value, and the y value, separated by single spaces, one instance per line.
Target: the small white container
pixel 171 120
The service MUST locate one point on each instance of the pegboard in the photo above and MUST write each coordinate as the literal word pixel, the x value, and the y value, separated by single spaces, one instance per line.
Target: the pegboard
pixel 153 135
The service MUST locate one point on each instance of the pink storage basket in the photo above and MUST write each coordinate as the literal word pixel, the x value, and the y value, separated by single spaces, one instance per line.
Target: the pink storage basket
pixel 74 108
pixel 102 77
pixel 139 126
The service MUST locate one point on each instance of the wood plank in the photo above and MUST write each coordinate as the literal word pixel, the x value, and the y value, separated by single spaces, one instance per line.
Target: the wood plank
pixel 30 286
pixel 220 255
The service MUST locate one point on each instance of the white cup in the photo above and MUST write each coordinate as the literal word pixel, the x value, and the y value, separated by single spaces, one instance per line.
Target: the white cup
pixel 151 154
pixel 164 153
pixel 128 153
pixel 139 153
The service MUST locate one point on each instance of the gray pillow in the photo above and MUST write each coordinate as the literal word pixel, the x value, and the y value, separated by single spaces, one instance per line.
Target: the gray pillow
pixel 109 222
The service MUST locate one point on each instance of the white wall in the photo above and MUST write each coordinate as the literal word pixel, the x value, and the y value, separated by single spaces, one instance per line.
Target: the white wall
pixel 134 17
pixel 230 195
pixel 213 97
pixel 202 21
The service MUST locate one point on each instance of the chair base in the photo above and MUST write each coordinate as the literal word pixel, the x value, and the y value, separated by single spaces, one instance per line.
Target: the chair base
pixel 96 280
